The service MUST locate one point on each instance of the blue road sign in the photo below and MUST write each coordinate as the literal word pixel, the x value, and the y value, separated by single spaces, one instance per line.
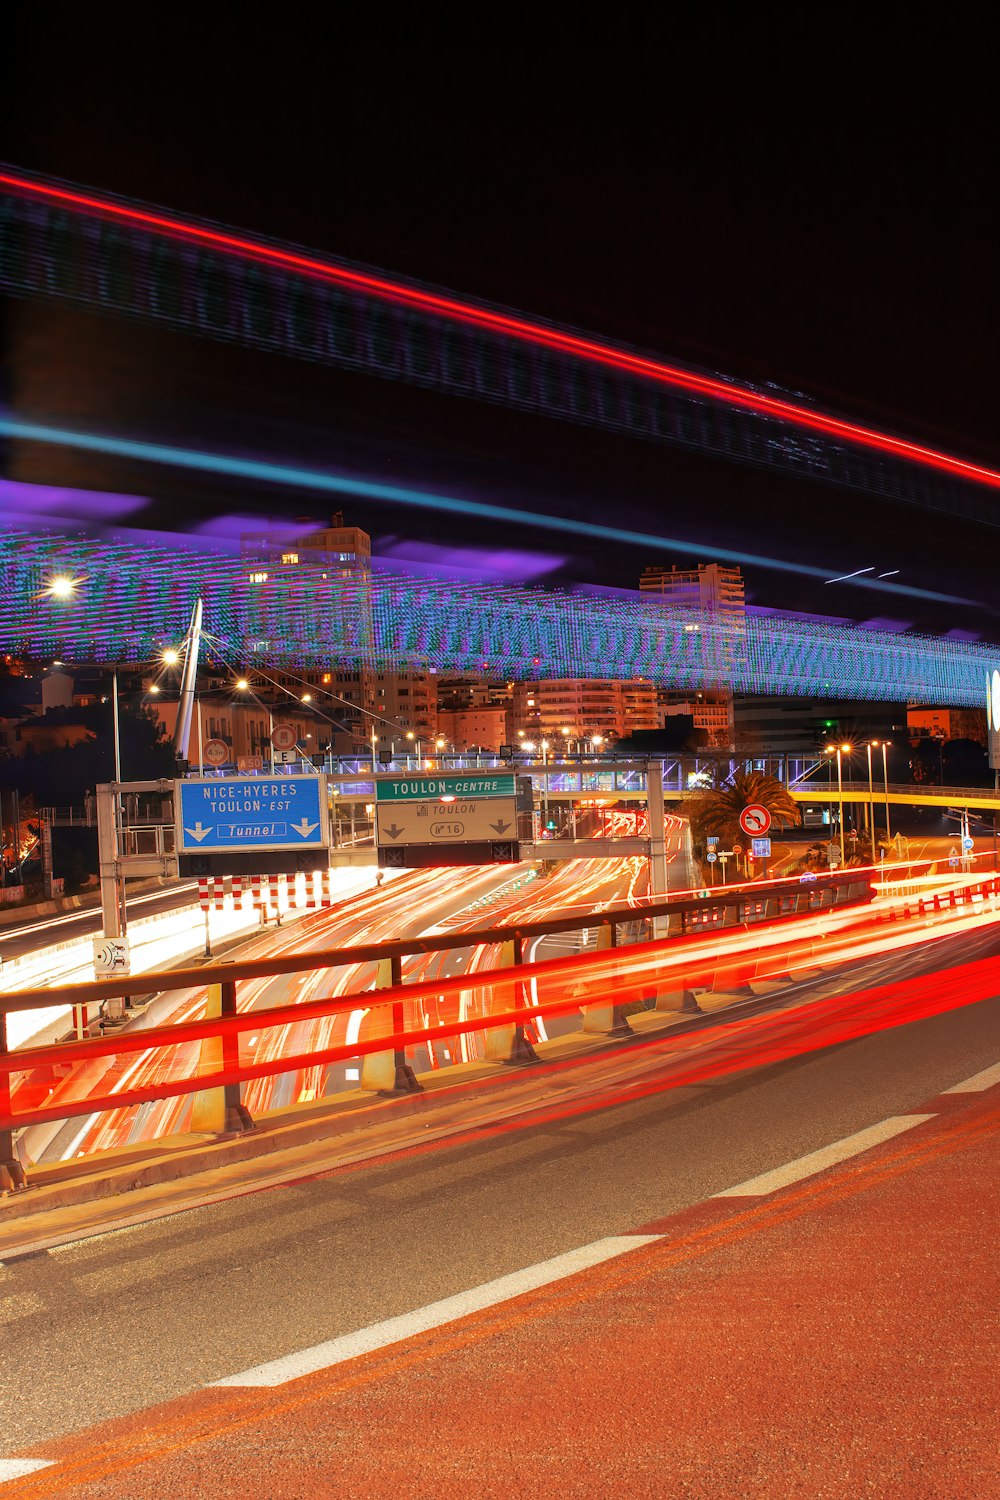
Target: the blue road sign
pixel 257 812
pixel 712 856
pixel 968 843
pixel 761 848
pixel 712 838
pixel 807 877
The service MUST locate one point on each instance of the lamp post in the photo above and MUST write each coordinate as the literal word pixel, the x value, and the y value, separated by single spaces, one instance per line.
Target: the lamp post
pixel 374 742
pixel 885 778
pixel 872 744
pixel 840 751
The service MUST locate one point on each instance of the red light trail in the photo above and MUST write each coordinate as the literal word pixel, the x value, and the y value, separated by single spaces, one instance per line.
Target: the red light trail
pixel 509 325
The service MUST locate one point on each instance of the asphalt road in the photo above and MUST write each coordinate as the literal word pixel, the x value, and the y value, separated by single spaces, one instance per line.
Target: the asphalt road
pixel 65 926
pixel 112 1325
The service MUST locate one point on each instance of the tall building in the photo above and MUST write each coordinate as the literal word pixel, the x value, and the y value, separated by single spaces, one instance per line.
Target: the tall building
pixel 394 705
pixel 578 708
pixel 929 721
pixel 710 586
pixel 472 712
pixel 328 568
pixel 803 726
pixel 718 592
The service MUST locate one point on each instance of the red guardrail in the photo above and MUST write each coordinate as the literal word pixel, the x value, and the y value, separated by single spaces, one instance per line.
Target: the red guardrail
pixel 56 1082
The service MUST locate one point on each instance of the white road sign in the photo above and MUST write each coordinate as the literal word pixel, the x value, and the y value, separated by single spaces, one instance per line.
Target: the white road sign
pixel 461 821
pixel 111 957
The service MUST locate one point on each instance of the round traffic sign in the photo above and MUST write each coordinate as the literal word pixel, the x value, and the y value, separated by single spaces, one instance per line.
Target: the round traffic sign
pixel 215 753
pixel 283 737
pixel 755 819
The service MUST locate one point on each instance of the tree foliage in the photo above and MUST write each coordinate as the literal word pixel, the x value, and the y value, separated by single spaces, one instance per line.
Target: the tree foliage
pixel 717 812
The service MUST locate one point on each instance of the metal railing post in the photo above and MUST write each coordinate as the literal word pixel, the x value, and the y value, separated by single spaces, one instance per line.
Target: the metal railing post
pixel 12 1176
pixel 509 1044
pixel 389 1072
pixel 237 1116
pixel 405 1081
pixel 606 1020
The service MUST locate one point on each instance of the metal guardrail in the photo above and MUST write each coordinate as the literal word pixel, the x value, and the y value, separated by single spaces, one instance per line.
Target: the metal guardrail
pixel 42 1071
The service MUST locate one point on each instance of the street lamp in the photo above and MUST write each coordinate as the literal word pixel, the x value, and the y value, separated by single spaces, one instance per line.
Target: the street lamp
pixel 885 778
pixel 374 740
pixel 597 740
pixel 62 587
pixel 545 779
pixel 839 751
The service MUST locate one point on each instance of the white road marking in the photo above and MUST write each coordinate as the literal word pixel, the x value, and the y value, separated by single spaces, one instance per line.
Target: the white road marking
pixel 827 1156
pixel 394 1330
pixel 978 1082
pixel 17 1468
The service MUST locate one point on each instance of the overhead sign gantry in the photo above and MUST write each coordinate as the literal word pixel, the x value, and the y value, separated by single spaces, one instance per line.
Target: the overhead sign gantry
pixel 469 819
pixel 251 825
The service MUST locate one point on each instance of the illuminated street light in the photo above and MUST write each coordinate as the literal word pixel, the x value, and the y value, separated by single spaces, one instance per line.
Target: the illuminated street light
pixel 840 751
pixel 871 745
pixel 62 587
pixel 885 778
pixel 171 657
pixel 242 686
pixel 307 697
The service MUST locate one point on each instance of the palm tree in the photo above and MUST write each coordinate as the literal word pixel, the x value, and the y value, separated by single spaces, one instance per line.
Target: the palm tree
pixel 718 812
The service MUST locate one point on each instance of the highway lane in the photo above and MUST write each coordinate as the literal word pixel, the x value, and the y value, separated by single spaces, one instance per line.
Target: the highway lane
pixel 374 917
pixel 417 903
pixel 379 910
pixel 28 937
pixel 114 1324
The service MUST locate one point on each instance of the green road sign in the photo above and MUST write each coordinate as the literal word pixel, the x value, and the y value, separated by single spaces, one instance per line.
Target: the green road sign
pixel 428 788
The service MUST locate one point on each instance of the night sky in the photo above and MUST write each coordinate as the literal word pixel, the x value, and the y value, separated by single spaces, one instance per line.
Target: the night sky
pixel 821 225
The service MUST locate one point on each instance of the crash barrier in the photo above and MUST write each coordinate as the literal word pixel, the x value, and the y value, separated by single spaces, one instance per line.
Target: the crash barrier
pixel 215 1055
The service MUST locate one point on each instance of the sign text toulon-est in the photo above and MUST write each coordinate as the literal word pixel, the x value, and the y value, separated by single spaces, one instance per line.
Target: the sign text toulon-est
pixel 286 812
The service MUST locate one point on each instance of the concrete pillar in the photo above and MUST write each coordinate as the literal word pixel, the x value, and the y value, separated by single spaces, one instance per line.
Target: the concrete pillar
pixel 658 873
pixel 11 1172
pixel 208 1109
pixel 378 1069
pixel 606 1019
pixel 508 1044
pixel 388 1072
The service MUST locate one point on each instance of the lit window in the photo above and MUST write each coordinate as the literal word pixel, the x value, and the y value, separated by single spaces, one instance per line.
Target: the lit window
pixel 258 577
pixel 289 557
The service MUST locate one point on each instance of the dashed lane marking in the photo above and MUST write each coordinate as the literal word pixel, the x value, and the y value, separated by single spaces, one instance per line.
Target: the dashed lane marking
pixel 18 1468
pixel 827 1156
pixel 435 1314
pixel 978 1083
